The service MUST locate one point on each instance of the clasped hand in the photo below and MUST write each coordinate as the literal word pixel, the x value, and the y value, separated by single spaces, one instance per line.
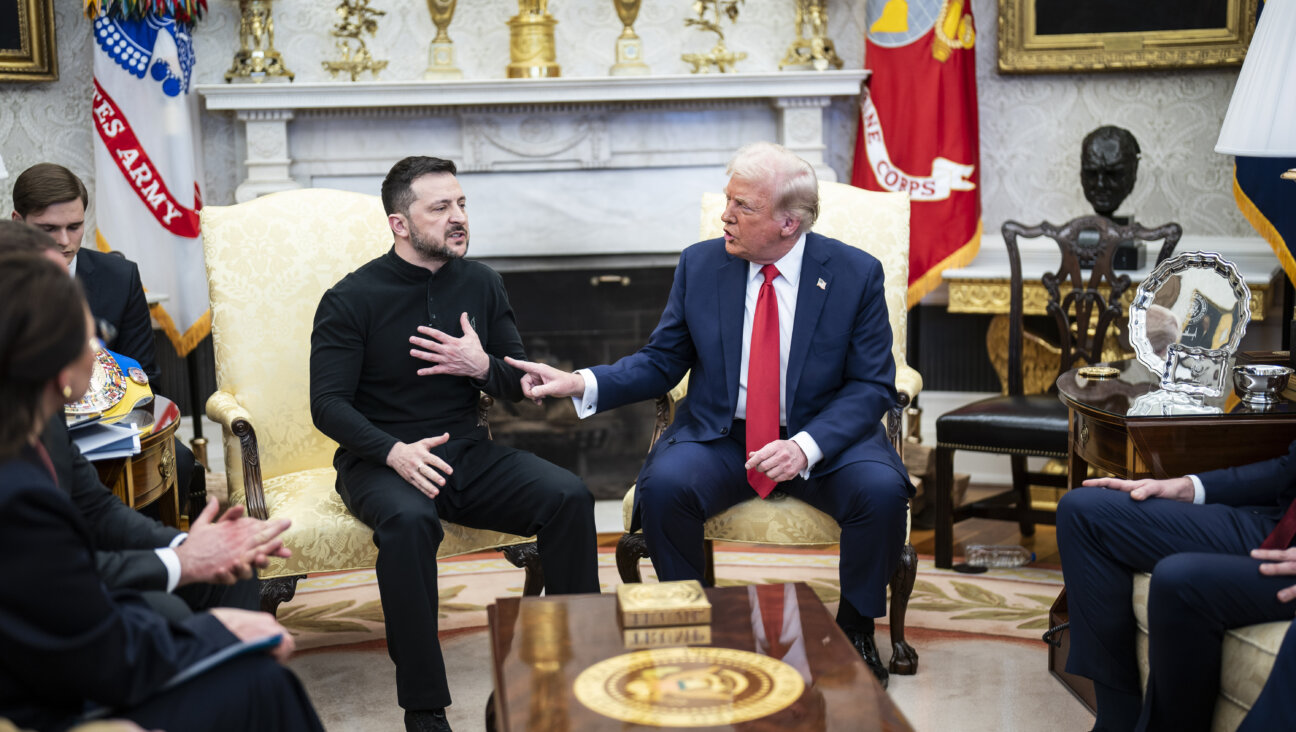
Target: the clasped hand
pixel 453 356
pixel 419 466
pixel 780 460
pixel 229 548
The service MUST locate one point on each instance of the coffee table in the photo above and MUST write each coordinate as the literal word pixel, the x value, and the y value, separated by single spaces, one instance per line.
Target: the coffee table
pixel 541 645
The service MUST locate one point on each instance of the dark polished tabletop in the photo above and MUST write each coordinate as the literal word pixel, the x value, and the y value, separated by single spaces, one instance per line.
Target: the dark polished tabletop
pixel 1136 392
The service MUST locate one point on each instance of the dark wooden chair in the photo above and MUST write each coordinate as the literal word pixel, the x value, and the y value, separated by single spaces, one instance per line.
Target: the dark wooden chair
pixel 1084 300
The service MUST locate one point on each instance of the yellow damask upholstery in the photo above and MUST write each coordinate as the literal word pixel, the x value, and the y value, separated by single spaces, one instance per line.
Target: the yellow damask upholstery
pixel 878 223
pixel 268 263
pixel 1247 656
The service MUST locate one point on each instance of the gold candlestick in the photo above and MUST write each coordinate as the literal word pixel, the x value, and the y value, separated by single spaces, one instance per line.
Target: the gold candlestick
pixel 355 18
pixel 531 42
pixel 441 52
pixel 813 50
pixel 629 47
pixel 257 60
pixel 719 56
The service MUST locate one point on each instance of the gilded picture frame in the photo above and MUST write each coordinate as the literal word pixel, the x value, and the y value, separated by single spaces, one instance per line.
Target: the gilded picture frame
pixel 1050 36
pixel 27 41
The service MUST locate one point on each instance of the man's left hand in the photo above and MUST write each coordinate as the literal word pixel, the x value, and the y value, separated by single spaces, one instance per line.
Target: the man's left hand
pixel 1279 561
pixel 780 460
pixel 454 356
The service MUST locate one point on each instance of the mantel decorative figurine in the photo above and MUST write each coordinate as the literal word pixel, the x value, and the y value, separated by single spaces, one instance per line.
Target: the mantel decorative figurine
pixel 629 47
pixel 531 42
pixel 355 17
pixel 719 56
pixel 813 50
pixel 257 60
pixel 441 53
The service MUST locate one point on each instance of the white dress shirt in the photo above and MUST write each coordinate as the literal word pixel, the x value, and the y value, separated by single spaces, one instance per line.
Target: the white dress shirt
pixel 785 292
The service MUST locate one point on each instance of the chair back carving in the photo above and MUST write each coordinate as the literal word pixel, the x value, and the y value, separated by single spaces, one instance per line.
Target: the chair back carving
pixel 1084 293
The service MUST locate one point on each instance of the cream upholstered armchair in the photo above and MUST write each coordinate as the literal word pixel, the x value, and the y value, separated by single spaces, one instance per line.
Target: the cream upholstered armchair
pixel 878 223
pixel 268 263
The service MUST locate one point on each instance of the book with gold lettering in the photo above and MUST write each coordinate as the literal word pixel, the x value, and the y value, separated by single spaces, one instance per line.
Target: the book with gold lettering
pixel 642 605
pixel 667 636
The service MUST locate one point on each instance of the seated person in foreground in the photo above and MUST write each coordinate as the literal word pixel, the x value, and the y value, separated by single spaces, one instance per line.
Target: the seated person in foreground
pixel 410 449
pixel 178 573
pixel 785 337
pixel 67 643
pixel 1220 558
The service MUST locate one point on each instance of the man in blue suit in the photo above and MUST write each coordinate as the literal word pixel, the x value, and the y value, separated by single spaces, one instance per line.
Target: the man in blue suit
pixel 785 336
pixel 1219 549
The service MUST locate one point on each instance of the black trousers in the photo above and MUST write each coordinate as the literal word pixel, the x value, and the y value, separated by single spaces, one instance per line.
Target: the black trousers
pixel 492 487
pixel 1203 584
pixel 685 483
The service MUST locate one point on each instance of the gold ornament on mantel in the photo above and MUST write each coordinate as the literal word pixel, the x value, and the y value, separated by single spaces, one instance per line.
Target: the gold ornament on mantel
pixel 629 47
pixel 719 56
pixel 441 63
pixel 355 17
pixel 257 60
pixel 812 50
pixel 531 42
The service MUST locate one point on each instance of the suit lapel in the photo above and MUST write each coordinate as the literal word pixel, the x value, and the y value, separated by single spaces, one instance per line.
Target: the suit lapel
pixel 85 273
pixel 810 303
pixel 731 288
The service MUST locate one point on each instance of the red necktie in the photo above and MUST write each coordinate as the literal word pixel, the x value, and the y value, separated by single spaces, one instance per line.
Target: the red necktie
pixel 1281 536
pixel 770 598
pixel 763 378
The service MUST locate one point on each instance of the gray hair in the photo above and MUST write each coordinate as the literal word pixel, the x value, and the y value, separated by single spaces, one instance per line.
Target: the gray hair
pixel 795 185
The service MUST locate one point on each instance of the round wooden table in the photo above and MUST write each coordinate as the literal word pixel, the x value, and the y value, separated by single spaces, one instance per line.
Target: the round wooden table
pixel 150 475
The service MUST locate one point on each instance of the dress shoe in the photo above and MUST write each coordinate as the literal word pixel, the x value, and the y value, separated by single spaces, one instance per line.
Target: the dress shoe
pixel 863 643
pixel 426 720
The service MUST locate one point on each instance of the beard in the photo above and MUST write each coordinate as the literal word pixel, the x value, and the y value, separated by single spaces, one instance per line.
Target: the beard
pixel 438 249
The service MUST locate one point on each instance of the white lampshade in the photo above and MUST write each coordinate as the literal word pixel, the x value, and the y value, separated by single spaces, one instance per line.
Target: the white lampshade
pixel 1261 118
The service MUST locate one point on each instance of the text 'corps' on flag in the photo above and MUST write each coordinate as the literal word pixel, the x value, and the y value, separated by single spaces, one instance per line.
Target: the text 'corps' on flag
pixel 918 129
pixel 147 163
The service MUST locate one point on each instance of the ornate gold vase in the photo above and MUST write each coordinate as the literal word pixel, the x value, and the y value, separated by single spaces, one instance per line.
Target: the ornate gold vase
pixel 531 42
pixel 441 63
pixel 257 60
pixel 355 19
pixel 812 49
pixel 629 47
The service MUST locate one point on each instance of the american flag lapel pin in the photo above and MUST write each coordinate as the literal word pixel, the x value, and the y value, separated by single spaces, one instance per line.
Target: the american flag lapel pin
pixel 821 284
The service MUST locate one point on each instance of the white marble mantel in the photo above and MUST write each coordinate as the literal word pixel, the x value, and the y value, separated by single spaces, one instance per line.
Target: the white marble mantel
pixel 589 166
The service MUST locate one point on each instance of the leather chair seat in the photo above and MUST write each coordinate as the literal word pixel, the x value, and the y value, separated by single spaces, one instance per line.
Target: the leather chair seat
pixel 1034 424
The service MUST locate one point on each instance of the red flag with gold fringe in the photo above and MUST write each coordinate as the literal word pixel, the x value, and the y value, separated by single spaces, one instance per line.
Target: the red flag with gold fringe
pixel 918 129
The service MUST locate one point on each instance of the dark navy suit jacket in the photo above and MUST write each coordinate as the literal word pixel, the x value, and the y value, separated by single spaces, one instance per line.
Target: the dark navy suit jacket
pixel 1271 483
pixel 114 292
pixel 840 374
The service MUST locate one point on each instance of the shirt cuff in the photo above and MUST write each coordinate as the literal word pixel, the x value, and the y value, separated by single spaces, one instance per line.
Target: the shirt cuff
pixel 587 403
pixel 810 448
pixel 171 561
pixel 1199 493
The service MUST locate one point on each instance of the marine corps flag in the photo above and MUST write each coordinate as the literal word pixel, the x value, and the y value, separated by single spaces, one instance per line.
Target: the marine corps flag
pixel 147 164
pixel 918 129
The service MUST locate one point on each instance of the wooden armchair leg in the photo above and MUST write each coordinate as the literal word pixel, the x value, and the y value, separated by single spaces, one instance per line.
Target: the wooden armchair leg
pixel 278 590
pixel 1021 484
pixel 527 557
pixel 630 549
pixel 708 572
pixel 904 659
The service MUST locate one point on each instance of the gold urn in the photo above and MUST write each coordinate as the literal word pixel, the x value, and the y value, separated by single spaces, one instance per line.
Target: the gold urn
pixel 629 47
pixel 441 64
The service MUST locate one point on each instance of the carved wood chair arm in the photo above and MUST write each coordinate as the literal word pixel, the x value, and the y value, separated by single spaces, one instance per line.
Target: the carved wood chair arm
pixel 224 409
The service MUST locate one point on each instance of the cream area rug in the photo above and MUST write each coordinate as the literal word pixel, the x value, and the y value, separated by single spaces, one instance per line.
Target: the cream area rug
pixel 981 663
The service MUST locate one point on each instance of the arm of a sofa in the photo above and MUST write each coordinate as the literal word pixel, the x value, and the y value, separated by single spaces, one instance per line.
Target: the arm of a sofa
pixel 224 408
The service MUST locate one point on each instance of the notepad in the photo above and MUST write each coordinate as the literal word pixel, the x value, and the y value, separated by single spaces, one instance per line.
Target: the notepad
pixel 106 441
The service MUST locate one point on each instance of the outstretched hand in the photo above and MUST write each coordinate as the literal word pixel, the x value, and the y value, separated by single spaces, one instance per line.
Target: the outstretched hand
pixel 1175 489
pixel 454 356
pixel 229 548
pixel 542 380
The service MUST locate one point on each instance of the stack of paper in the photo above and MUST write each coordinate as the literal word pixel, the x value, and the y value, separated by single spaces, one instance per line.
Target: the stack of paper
pixel 99 441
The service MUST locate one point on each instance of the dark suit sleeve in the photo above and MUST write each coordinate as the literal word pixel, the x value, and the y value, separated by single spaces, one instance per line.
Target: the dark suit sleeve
pixel 135 329
pixel 61 633
pixel 1266 483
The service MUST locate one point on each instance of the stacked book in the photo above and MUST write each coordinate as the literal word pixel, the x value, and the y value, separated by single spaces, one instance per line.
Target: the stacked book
pixel 664 614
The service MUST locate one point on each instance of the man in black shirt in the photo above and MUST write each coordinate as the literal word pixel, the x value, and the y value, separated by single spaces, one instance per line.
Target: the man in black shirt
pixel 411 452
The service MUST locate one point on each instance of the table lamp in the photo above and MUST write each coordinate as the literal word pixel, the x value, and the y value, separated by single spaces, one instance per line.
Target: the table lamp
pixel 1261 118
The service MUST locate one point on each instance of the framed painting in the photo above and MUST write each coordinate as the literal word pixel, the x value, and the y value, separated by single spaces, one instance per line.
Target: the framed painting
pixel 1047 36
pixel 27 41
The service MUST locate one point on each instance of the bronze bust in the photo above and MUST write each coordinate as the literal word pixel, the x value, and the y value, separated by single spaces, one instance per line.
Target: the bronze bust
pixel 1109 159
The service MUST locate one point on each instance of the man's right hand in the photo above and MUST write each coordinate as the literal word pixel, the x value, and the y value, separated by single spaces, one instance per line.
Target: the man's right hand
pixel 229 548
pixel 542 380
pixel 1175 489
pixel 417 464
pixel 249 625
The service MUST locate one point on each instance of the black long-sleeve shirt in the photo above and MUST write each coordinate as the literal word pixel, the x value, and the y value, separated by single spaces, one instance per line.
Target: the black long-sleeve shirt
pixel 365 390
